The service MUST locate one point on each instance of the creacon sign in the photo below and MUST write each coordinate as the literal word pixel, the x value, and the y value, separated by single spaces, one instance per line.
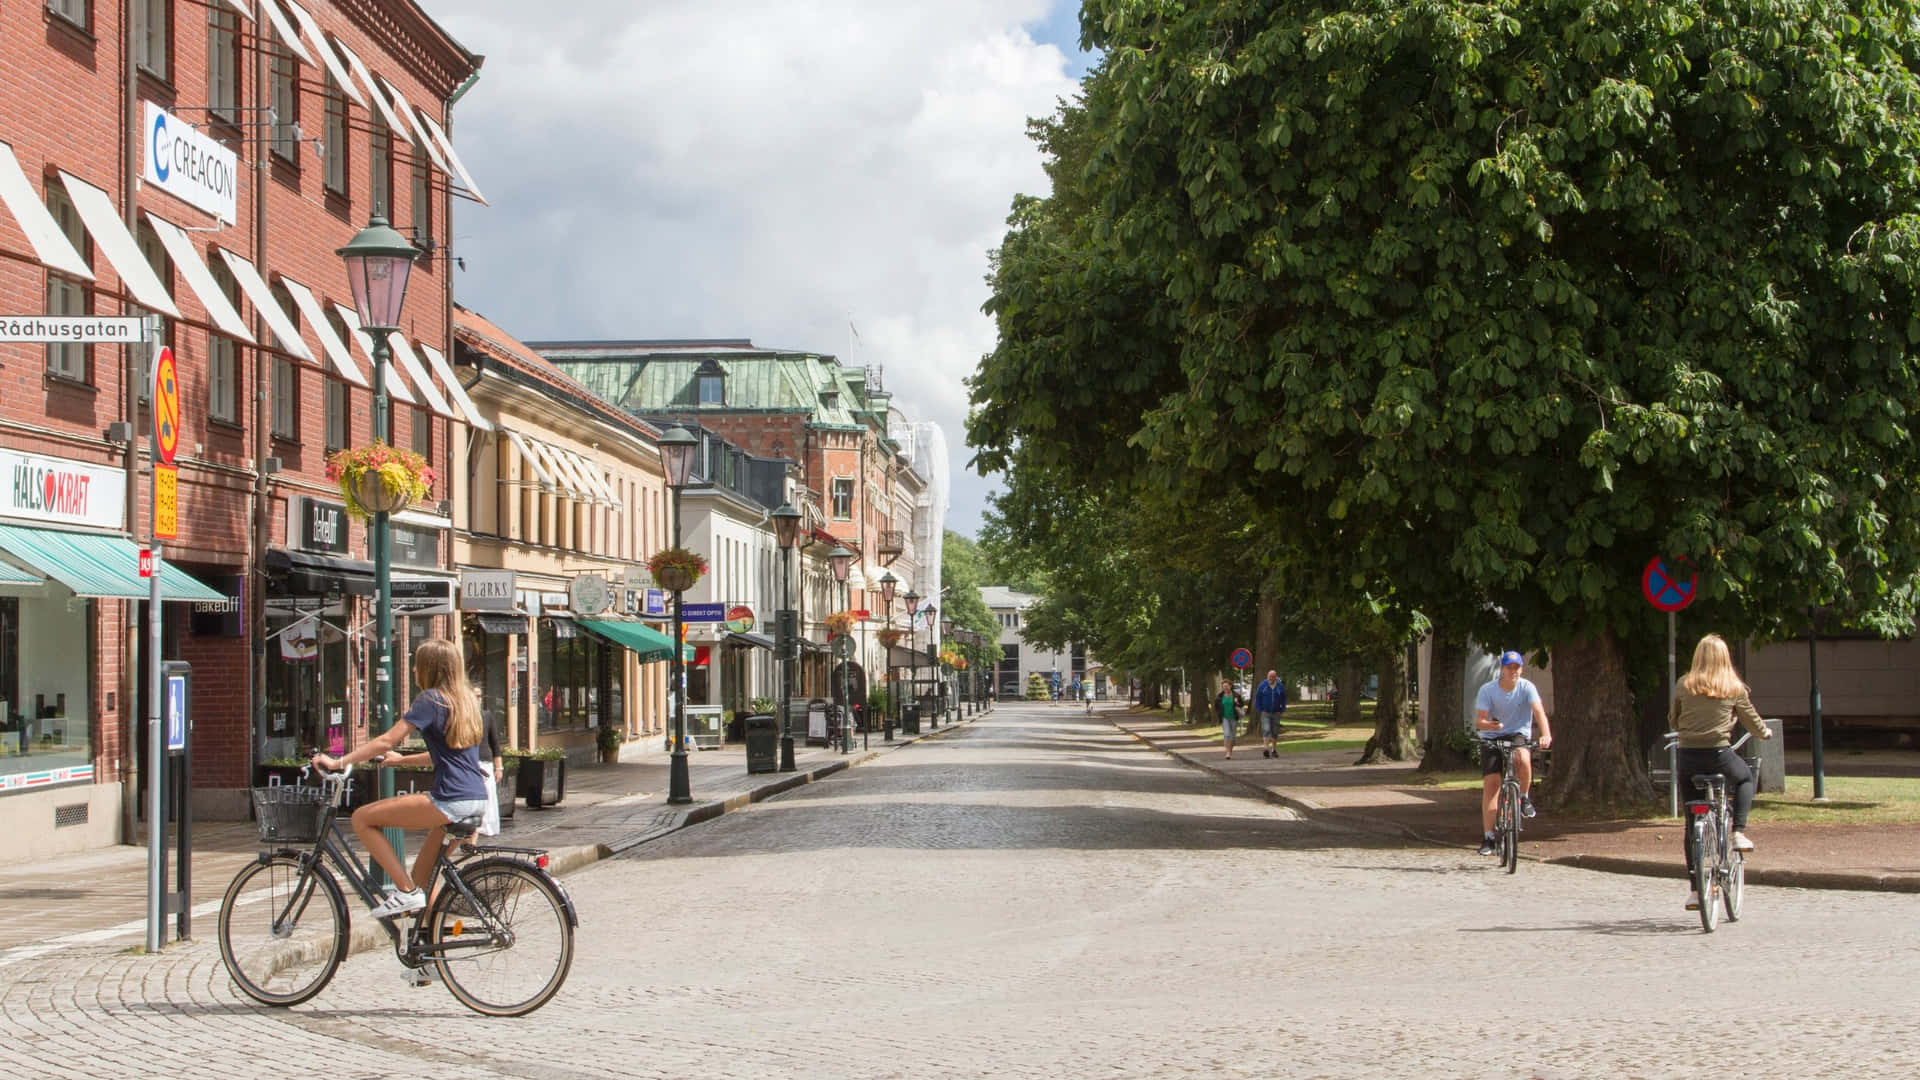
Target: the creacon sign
pixel 188 165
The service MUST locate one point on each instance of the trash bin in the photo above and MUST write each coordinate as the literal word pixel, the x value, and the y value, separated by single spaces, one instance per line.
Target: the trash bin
pixel 763 743
pixel 909 718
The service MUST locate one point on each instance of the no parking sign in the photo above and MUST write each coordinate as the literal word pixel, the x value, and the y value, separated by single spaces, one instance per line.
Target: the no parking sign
pixel 1242 658
pixel 1669 585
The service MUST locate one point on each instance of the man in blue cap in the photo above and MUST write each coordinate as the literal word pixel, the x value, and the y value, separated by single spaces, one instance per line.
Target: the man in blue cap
pixel 1509 705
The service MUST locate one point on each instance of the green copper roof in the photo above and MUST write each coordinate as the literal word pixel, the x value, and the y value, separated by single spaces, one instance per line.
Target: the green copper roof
pixel 755 380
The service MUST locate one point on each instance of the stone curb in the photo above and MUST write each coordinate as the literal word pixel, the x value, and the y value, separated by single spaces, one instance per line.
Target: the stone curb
pixel 1611 864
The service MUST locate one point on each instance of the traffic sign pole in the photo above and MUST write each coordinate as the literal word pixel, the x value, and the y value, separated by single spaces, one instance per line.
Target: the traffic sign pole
pixel 165 393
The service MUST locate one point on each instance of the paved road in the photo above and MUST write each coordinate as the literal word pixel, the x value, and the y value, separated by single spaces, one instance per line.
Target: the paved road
pixel 1037 895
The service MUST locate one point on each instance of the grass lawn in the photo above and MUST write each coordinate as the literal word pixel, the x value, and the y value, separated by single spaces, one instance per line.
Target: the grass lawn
pixel 1889 800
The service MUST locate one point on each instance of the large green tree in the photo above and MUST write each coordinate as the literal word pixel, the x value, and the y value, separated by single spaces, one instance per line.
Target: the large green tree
pixel 1522 293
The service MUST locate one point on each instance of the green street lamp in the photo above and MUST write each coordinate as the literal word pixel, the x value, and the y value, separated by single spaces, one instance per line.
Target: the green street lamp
pixel 786 529
pixel 913 649
pixel 930 613
pixel 842 561
pixel 676 457
pixel 379 260
pixel 888 583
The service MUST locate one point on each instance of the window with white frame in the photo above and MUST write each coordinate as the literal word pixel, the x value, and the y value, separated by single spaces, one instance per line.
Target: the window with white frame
pixel 422 205
pixel 333 143
pixel 286 399
pixel 380 169
pixel 73 11
pixel 162 264
pixel 285 67
pixel 336 415
pixel 423 433
pixel 152 37
pixel 223 358
pixel 223 65
pixel 843 498
pixel 65 296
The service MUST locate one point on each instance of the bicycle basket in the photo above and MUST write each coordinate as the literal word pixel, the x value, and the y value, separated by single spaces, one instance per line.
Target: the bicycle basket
pixel 289 813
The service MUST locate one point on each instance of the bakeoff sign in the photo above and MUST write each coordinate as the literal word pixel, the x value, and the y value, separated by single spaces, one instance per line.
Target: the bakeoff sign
pixel 188 165
pixel 49 490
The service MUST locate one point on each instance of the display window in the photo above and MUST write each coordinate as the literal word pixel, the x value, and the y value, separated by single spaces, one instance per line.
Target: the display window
pixel 306 672
pixel 44 662
pixel 574 669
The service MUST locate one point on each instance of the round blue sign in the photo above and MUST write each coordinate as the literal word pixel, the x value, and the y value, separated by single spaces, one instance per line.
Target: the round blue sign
pixel 1669 588
pixel 1242 658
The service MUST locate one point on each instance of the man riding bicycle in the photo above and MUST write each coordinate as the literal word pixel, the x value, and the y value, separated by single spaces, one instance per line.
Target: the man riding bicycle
pixel 1509 705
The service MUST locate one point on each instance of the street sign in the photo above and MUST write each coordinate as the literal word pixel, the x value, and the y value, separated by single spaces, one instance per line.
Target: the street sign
pixel 110 329
pixel 1242 658
pixel 692 613
pixel 739 618
pixel 1669 587
pixel 843 647
pixel 166 407
pixel 166 501
pixel 146 562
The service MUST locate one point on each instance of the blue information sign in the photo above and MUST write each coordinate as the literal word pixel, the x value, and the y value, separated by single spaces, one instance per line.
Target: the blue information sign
pixel 703 613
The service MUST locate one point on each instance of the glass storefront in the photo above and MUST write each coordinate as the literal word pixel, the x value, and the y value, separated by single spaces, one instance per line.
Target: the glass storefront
pixel 306 679
pixel 44 661
pixel 575 671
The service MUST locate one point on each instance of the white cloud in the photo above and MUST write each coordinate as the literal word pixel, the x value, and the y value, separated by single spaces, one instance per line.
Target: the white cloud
pixel 755 169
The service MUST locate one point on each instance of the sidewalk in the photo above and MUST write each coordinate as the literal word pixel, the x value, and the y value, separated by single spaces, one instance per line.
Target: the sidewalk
pixel 102 895
pixel 1390 798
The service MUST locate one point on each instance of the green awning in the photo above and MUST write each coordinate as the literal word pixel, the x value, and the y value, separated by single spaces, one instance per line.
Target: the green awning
pixel 95 565
pixel 646 643
pixel 13 575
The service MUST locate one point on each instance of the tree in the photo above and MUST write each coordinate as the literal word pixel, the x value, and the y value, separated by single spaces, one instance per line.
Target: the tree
pixel 1521 298
pixel 962 574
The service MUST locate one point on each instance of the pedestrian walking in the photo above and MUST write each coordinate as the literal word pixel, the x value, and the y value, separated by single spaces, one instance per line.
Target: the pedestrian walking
pixel 1229 716
pixel 1269 702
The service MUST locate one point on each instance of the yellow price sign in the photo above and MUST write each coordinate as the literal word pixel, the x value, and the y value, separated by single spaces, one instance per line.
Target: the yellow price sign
pixel 166 501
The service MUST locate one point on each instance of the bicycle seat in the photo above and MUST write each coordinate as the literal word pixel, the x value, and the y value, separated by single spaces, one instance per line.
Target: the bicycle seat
pixel 1708 779
pixel 462 829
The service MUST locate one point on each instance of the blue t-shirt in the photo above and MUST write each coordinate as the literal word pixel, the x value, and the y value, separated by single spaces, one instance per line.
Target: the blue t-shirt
pixel 1513 708
pixel 456 772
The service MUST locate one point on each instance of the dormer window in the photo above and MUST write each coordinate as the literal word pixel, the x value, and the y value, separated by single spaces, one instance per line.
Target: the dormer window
pixel 710 384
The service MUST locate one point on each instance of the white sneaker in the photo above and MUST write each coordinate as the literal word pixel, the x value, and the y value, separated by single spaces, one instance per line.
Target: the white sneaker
pixel 400 903
pixel 1693 901
pixel 421 976
pixel 1741 843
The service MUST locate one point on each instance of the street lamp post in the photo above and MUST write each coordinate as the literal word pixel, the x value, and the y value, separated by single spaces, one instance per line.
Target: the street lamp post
pixel 842 561
pixel 379 261
pixel 952 682
pixel 888 583
pixel 930 613
pixel 913 648
pixel 676 455
pixel 786 528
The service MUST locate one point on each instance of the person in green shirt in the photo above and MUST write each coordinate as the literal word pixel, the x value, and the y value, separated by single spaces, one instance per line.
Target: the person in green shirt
pixel 1228 716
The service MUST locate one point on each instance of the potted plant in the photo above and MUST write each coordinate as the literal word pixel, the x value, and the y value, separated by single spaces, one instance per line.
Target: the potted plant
pixel 287 769
pixel 543 776
pixel 839 623
pixel 891 637
pixel 379 479
pixel 608 738
pixel 677 568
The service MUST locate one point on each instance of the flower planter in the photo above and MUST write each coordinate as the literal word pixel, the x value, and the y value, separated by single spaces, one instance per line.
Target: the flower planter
pixel 263 775
pixel 372 493
pixel 676 578
pixel 508 790
pixel 543 782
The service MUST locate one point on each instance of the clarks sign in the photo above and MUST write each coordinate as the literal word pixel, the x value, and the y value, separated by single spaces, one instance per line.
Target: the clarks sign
pixel 50 490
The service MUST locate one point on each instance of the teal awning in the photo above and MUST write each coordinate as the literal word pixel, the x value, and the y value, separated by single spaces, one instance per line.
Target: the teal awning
pixel 95 565
pixel 646 643
pixel 13 575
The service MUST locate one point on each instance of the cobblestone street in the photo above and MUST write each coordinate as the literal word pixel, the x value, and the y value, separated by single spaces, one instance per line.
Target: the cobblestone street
pixel 1039 895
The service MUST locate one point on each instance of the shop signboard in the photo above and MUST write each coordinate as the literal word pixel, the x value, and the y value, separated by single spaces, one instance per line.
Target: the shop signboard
pixel 422 596
pixel 222 618
pixel 589 594
pixel 413 546
pixel 320 525
pixel 49 490
pixel 486 590
pixel 179 160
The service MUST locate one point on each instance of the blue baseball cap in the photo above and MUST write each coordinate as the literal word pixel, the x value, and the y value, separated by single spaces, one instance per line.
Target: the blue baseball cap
pixel 1510 657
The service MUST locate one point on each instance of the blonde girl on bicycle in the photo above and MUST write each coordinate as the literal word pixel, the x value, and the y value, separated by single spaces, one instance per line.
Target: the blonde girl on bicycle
pixel 447 716
pixel 1708 701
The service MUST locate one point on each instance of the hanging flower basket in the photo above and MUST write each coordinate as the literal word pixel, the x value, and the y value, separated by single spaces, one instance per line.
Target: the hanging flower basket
pixel 840 622
pixel 891 637
pixel 379 479
pixel 952 660
pixel 676 569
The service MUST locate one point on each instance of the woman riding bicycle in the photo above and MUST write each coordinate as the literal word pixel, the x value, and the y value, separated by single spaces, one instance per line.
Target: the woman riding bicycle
pixel 447 716
pixel 1708 701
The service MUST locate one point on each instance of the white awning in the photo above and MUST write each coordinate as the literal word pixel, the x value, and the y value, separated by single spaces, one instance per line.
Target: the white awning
pixel 421 380
pixel 396 386
pixel 439 135
pixel 330 342
pixel 288 35
pixel 562 477
pixel 359 66
pixel 269 308
pixel 327 56
pixel 50 245
pixel 540 472
pixel 571 464
pixel 420 133
pixel 219 308
pixel 102 219
pixel 244 7
pixel 454 390
pixel 597 483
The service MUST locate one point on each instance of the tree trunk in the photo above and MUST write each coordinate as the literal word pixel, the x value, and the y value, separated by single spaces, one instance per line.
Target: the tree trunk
pixel 1595 762
pixel 1150 692
pixel 1346 710
pixel 1392 717
pixel 1446 690
pixel 1266 632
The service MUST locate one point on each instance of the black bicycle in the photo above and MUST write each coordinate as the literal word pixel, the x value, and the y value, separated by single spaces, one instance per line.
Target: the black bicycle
pixel 1506 820
pixel 497 928
pixel 1719 868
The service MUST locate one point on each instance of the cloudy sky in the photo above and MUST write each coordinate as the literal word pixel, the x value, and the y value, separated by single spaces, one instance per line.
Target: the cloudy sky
pixel 747 168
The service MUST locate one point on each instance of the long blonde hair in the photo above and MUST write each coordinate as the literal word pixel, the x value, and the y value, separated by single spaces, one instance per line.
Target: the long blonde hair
pixel 437 667
pixel 1712 673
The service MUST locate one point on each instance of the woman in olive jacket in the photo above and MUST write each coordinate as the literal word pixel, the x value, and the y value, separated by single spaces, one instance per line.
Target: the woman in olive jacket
pixel 1706 705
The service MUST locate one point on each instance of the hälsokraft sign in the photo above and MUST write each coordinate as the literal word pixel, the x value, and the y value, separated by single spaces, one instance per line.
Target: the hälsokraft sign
pixel 1669 584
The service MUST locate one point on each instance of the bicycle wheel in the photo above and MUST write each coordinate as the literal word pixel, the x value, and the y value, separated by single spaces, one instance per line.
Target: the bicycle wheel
pixel 1705 860
pixel 517 963
pixel 1510 827
pixel 283 930
pixel 1736 885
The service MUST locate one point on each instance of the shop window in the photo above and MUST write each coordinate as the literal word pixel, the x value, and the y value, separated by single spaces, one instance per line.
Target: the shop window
pixel 44 675
pixel 843 499
pixel 223 65
pixel 336 415
pixel 73 11
pixel 333 141
pixel 306 675
pixel 286 400
pixel 65 296
pixel 153 38
pixel 286 101
pixel 380 169
pixel 572 666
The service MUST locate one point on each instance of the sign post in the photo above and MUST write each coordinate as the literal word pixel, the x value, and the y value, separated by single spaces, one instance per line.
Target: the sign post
pixel 166 440
pixel 1669 588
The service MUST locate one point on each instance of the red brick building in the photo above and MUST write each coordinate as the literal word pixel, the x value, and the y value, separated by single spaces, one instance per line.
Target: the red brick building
pixel 203 162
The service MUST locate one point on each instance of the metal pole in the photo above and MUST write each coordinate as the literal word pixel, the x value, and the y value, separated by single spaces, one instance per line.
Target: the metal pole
pixel 379 539
pixel 1813 707
pixel 156 771
pixel 679 785
pixel 1670 681
pixel 787 625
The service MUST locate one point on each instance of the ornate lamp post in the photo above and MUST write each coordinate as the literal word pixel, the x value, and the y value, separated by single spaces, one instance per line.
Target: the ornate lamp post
pixel 676 455
pixel 786 529
pixel 913 648
pixel 930 613
pixel 952 681
pixel 842 561
pixel 379 261
pixel 888 583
